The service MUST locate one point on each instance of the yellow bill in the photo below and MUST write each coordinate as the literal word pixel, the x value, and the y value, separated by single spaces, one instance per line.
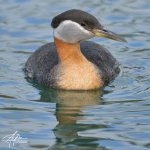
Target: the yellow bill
pixel 108 34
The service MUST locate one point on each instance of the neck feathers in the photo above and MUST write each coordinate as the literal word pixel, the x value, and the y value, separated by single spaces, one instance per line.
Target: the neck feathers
pixel 69 52
pixel 77 73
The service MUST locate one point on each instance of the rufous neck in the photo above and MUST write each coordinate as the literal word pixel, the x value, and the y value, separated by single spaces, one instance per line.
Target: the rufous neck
pixel 68 51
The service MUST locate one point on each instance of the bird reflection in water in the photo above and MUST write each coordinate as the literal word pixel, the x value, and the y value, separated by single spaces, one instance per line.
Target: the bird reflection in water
pixel 70 112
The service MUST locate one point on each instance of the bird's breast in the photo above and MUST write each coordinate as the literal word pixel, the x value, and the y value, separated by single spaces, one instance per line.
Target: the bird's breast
pixel 75 71
pixel 81 76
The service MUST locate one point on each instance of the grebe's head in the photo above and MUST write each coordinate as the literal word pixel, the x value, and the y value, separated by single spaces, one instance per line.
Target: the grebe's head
pixel 75 25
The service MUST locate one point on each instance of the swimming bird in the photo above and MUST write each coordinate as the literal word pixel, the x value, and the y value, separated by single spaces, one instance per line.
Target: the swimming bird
pixel 71 62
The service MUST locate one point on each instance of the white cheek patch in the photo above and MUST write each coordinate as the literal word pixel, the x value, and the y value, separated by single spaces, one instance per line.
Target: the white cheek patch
pixel 71 32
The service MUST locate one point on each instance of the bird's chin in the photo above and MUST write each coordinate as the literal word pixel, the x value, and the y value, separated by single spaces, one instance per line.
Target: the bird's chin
pixel 90 36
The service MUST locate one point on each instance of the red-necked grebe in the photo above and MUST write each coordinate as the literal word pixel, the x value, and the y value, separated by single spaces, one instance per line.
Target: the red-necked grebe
pixel 71 63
